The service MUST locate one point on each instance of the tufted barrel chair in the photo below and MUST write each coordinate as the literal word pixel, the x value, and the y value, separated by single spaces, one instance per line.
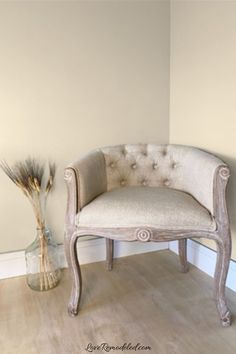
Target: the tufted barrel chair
pixel 145 193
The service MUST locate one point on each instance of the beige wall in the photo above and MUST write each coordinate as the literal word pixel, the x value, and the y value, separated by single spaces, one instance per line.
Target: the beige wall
pixel 203 82
pixel 73 77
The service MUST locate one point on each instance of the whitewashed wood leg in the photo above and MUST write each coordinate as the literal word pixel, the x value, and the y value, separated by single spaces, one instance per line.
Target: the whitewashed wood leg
pixel 74 267
pixel 109 253
pixel 221 271
pixel 184 267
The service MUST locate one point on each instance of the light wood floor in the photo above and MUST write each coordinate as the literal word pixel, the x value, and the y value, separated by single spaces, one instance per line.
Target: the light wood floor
pixel 145 299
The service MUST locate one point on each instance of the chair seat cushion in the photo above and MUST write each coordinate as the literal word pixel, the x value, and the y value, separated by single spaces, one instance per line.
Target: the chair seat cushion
pixel 157 207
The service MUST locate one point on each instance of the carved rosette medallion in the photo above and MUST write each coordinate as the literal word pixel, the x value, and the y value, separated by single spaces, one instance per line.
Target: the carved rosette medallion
pixel 143 235
pixel 224 172
pixel 68 175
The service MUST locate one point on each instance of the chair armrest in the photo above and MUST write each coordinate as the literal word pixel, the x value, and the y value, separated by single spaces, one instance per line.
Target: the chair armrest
pixel 85 180
pixel 205 177
pixel 220 211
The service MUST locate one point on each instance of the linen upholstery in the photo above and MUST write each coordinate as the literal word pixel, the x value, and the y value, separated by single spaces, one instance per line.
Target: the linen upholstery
pixel 174 166
pixel 158 207
pixel 91 175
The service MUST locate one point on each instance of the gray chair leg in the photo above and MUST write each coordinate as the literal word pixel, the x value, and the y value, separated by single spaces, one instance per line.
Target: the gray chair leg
pixel 183 255
pixel 74 267
pixel 109 253
pixel 221 271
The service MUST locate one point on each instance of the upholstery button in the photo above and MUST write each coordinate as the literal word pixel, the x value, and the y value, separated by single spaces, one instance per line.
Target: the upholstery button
pixel 144 153
pixel 123 182
pixel 166 182
pixel 155 166
pixel 174 165
pixel 134 166
pixel 112 165
pixel 164 153
pixel 144 182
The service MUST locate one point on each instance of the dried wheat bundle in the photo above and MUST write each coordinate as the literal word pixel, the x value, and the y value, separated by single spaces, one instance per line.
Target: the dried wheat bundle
pixel 30 176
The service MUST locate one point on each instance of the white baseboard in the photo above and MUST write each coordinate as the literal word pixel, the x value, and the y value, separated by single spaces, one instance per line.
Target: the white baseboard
pixel 12 264
pixel 205 259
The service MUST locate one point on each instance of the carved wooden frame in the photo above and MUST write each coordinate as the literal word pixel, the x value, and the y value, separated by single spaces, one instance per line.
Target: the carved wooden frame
pixel 221 236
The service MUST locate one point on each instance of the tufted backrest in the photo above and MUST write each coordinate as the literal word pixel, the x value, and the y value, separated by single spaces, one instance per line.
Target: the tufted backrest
pixel 173 166
pixel 144 165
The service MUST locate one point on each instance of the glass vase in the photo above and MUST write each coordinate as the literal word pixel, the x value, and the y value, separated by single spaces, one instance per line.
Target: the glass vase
pixel 42 262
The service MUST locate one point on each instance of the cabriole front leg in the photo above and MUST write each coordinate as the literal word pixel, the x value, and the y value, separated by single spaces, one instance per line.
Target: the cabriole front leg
pixel 221 271
pixel 74 267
